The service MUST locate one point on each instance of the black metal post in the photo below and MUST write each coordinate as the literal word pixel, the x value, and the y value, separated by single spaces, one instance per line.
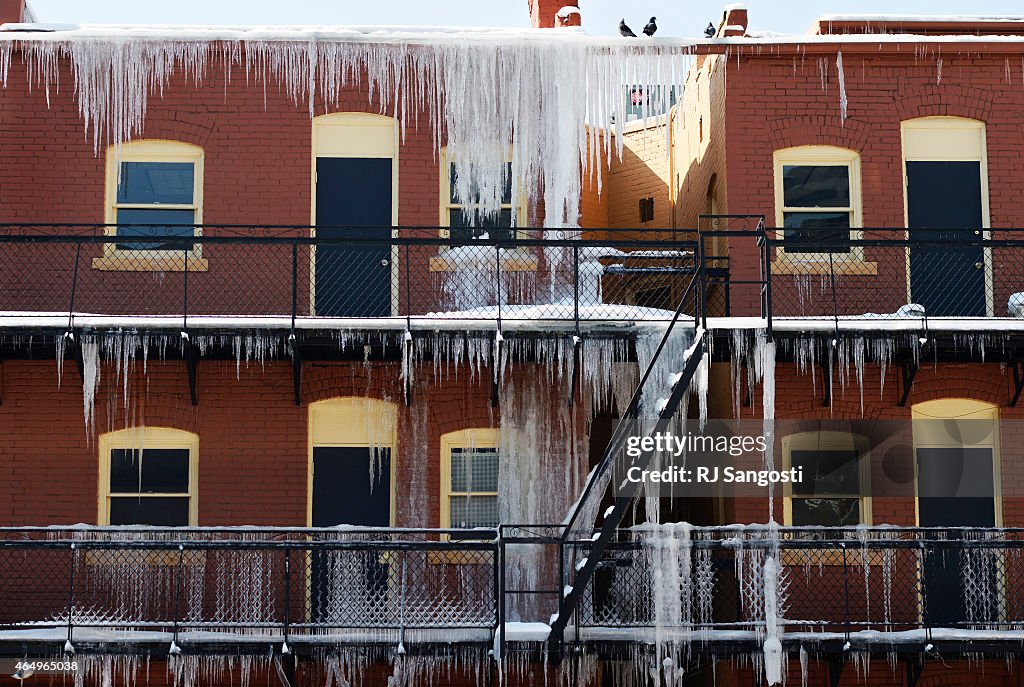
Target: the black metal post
pixel 846 593
pixel 287 591
pixel 497 281
pixel 835 300
pixel 499 586
pixel 177 591
pixel 71 596
pixel 766 275
pixel 295 284
pixel 576 287
pixel 702 296
pixel 74 287
pixel 408 291
pixel 184 307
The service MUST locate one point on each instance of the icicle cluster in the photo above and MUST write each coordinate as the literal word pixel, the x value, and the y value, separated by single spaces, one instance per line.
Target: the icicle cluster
pixel 539 96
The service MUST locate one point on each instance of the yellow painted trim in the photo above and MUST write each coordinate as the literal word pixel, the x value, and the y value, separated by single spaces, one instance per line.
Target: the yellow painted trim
pixel 820 155
pixel 147 438
pixel 952 409
pixel 953 139
pixel 356 135
pixel 351 421
pixel 464 438
pixel 152 150
pixel 790 265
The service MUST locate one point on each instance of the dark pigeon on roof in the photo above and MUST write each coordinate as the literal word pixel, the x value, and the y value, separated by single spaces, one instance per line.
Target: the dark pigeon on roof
pixel 652 27
pixel 625 31
pixel 711 31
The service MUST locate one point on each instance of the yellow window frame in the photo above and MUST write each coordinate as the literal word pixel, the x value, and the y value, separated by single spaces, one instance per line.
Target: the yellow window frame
pixel 514 263
pixel 143 438
pixel 461 439
pixel 156 260
pixel 829 441
pixel 818 263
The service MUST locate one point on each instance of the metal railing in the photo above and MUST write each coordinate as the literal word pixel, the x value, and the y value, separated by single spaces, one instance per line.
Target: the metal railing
pixel 396 273
pixel 300 586
pixel 855 582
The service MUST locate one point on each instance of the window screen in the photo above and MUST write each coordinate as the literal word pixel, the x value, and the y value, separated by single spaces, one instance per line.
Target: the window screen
pixel 473 497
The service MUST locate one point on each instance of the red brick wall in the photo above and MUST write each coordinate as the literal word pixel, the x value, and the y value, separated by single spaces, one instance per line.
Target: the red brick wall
pixel 777 101
pixel 253 441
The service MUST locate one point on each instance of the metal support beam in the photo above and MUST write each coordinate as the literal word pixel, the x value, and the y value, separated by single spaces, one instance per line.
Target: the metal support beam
pixel 296 373
pixel 191 354
pixel 577 361
pixel 836 664
pixel 497 350
pixel 908 372
pixel 914 666
pixel 1017 367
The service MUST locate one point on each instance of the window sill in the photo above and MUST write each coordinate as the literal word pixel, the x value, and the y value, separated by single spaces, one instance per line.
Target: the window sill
pixel 508 264
pixel 113 263
pixel 791 265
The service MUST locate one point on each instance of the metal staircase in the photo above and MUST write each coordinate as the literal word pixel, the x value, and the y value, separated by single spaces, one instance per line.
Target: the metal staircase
pixel 614 457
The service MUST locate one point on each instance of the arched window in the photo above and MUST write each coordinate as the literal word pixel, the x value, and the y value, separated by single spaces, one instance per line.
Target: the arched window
pixel 469 479
pixel 836 485
pixel 148 476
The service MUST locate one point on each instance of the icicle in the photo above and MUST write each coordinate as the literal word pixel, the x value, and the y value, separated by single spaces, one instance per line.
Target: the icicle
pixel 843 101
pixel 773 638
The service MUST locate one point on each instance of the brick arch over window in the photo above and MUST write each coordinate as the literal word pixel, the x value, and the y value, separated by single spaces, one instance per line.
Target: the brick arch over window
pixel 792 132
pixel 175 125
pixel 944 101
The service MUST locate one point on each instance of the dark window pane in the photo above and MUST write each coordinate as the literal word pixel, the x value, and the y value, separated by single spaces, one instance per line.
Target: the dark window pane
pixel 497 227
pixel 164 471
pixel 827 472
pixel 506 194
pixel 817 232
pixel 826 512
pixel 156 223
pixel 170 183
pixel 131 510
pixel 816 187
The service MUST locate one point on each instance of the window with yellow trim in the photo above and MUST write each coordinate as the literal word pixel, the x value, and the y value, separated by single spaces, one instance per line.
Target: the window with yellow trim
pixel 465 221
pixel 153 191
pixel 835 489
pixel 817 200
pixel 148 477
pixel 470 461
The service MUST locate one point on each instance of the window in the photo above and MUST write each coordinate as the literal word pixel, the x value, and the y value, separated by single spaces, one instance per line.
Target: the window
pixel 465 222
pixel 469 480
pixel 147 477
pixel 154 190
pixel 817 191
pixel 834 490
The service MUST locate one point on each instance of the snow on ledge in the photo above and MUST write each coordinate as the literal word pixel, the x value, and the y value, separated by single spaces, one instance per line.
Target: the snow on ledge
pixel 921 18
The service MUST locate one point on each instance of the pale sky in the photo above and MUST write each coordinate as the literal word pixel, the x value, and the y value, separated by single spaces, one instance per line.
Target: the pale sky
pixel 678 18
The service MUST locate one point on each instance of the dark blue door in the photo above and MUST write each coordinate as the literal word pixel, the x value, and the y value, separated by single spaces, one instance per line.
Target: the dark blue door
pixel 955 489
pixel 947 274
pixel 353 201
pixel 351 486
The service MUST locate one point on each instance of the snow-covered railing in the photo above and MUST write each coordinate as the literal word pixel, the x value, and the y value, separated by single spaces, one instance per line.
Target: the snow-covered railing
pixel 677 583
pixel 286 588
pixel 217 276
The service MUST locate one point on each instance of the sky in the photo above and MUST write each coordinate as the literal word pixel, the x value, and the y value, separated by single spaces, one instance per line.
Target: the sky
pixel 677 18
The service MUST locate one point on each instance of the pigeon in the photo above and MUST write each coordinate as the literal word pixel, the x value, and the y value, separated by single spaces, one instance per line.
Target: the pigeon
pixel 711 31
pixel 625 31
pixel 651 28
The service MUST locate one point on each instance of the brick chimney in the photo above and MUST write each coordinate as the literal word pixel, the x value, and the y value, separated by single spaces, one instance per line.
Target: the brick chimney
pixel 12 11
pixel 735 22
pixel 548 14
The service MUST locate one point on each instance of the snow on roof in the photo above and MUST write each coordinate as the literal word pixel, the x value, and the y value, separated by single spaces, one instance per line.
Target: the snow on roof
pixel 915 18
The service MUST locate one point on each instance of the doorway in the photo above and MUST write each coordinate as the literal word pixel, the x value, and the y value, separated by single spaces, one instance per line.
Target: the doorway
pixel 947 215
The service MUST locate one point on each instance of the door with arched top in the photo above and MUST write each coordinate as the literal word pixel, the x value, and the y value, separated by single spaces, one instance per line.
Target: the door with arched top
pixel 354 211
